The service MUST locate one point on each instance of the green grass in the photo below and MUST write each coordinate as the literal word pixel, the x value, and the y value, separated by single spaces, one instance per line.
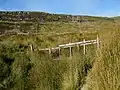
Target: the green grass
pixel 33 70
pixel 105 72
pixel 23 69
pixel 36 71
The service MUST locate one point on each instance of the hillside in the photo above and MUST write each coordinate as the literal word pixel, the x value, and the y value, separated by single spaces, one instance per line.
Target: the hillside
pixel 24 66
pixel 35 22
pixel 46 17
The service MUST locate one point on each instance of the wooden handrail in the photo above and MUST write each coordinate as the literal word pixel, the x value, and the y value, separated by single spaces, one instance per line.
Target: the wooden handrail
pixel 70 45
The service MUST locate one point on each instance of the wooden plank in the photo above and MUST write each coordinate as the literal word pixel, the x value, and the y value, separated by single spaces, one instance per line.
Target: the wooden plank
pixel 76 43
pixel 88 43
pixel 48 49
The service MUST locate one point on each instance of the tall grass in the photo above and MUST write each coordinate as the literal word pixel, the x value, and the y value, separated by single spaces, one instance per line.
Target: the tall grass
pixel 34 70
pixel 105 72
pixel 21 69
pixel 64 74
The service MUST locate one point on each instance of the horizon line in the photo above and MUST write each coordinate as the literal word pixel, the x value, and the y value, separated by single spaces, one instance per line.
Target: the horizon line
pixel 7 10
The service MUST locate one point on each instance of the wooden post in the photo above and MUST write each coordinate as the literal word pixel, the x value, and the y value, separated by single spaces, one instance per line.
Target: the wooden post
pixel 84 50
pixel 49 51
pixel 59 51
pixel 78 46
pixel 98 42
pixel 70 51
pixel 31 47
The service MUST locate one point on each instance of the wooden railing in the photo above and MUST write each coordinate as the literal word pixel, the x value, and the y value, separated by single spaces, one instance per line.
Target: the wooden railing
pixel 70 45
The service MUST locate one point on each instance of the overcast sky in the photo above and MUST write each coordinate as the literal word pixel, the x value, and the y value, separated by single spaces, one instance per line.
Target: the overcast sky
pixel 81 7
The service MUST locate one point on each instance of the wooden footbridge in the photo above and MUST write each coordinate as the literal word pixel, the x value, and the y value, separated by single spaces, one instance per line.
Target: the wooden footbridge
pixel 70 45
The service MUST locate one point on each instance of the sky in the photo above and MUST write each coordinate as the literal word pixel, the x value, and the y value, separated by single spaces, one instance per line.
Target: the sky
pixel 74 7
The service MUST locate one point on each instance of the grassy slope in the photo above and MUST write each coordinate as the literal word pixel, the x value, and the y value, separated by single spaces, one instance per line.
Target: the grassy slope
pixel 35 71
pixel 105 72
